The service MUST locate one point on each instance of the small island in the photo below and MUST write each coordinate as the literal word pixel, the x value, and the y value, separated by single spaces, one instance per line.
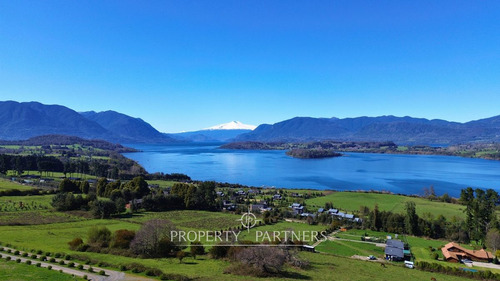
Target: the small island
pixel 312 153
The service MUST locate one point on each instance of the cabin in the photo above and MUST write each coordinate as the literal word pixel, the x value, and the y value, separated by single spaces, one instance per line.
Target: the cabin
pixel 321 210
pixel 453 252
pixel 277 197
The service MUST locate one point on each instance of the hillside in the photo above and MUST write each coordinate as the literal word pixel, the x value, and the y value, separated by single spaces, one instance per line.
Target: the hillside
pixel 23 120
pixel 126 128
pixel 401 130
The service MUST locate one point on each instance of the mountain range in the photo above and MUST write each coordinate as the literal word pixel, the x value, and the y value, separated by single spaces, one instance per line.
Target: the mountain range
pixel 401 130
pixel 23 120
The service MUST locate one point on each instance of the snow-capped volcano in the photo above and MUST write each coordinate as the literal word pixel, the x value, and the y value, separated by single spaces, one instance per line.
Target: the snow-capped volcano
pixel 233 125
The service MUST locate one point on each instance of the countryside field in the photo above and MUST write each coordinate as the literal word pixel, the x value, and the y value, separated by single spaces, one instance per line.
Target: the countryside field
pixel 12 271
pixel 351 201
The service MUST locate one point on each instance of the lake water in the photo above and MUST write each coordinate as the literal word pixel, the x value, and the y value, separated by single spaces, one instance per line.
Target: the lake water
pixel 407 174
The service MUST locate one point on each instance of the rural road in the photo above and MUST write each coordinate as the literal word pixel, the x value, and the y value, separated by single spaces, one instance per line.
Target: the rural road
pixel 111 275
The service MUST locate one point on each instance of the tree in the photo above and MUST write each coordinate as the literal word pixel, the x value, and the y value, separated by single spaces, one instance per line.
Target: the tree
pixel 68 185
pixel 154 239
pixel 102 209
pixel 101 186
pixel 138 186
pixel 411 218
pixel 180 255
pixel 267 260
pixel 75 243
pixel 84 187
pixel 196 249
pixel 493 240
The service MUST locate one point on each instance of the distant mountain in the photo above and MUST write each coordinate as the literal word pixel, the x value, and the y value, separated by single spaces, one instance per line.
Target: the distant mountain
pixel 220 133
pixel 20 121
pixel 401 130
pixel 29 119
pixel 233 125
pixel 126 128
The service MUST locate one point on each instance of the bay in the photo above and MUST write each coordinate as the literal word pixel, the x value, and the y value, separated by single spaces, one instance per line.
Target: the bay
pixel 405 174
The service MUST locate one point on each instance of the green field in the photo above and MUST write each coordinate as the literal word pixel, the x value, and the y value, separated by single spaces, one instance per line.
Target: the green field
pixel 12 271
pixel 351 201
pixel 7 184
pixel 39 200
pixel 189 219
pixel 348 248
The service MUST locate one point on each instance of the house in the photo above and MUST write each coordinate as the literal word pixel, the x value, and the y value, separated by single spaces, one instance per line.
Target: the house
pixel 220 193
pixel 297 208
pixel 277 197
pixel 154 186
pixel 394 250
pixel 349 217
pixel 453 252
pixel 332 211
pixel 321 210
pixel 241 192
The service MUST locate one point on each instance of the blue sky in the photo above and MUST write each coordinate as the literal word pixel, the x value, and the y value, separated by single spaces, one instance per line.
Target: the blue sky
pixel 185 65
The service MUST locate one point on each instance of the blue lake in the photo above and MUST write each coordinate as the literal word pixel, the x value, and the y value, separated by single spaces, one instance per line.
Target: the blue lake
pixel 407 174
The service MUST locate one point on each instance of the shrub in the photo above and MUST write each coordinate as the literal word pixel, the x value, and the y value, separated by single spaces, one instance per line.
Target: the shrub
pixel 48 254
pixel 60 270
pixel 99 236
pixel 219 251
pixel 16 252
pixel 43 258
pixel 52 260
pixel 434 256
pixel 28 262
pixel 8 258
pixel 80 266
pixel 61 262
pixel 123 267
pixel 38 264
pixel 18 260
pixel 2 249
pixel 122 238
pixel 102 272
pixel 90 269
pixel 57 255
pixel 24 254
pixel 34 256
pixel 71 264
pixel 9 251
pixel 39 252
pixel 49 267
pixel 75 243
pixel 85 277
pixel 67 257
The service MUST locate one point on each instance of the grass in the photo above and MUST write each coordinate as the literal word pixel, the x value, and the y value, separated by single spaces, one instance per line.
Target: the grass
pixel 12 271
pixel 7 184
pixel 15 202
pixel 351 201
pixel 348 248
pixel 36 217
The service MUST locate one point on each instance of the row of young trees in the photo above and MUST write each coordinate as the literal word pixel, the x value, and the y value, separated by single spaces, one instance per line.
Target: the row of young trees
pixel 20 163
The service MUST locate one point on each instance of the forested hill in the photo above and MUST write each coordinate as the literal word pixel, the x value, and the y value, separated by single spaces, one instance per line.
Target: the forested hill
pixel 48 140
pixel 401 130
pixel 23 120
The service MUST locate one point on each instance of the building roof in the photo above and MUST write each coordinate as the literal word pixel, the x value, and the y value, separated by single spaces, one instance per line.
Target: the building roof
pixel 395 243
pixel 454 251
pixel 395 252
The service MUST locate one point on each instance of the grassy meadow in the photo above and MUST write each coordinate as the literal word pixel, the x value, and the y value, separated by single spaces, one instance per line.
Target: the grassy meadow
pixel 12 271
pixel 351 201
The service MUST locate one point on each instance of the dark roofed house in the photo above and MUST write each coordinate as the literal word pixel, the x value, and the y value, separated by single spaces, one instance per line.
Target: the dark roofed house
pixel 394 250
pixel 333 211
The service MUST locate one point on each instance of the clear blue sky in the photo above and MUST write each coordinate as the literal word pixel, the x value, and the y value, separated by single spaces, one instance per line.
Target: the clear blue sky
pixel 185 65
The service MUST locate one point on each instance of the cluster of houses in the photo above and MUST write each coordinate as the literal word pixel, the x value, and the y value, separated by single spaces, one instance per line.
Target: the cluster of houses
pixel 340 215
